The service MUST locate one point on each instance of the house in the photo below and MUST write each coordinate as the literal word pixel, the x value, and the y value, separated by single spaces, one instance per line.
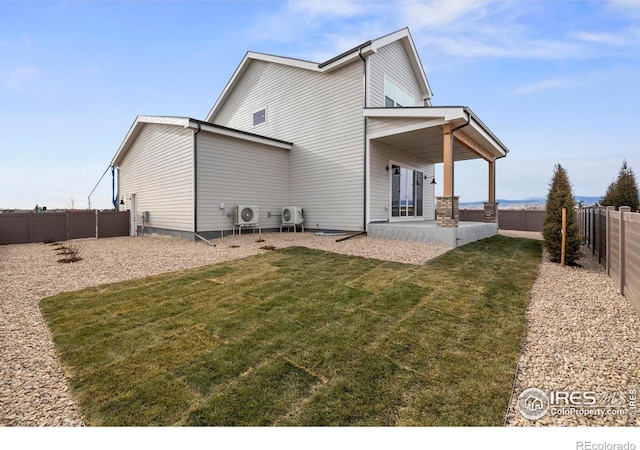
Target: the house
pixel 352 140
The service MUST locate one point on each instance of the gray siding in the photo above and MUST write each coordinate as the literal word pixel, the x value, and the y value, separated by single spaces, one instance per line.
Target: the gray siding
pixel 321 113
pixel 159 169
pixel 391 60
pixel 237 172
pixel 381 155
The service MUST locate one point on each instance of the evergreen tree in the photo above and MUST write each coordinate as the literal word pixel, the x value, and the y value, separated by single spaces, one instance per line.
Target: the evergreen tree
pixel 623 191
pixel 560 196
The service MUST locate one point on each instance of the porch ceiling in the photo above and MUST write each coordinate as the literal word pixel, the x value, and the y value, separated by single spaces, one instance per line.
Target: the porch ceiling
pixel 425 143
pixel 419 131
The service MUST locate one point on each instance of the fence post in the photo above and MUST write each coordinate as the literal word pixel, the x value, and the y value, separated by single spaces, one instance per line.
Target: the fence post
pixel 97 220
pixel 601 211
pixel 622 209
pixel 588 228
pixel 608 238
pixel 30 228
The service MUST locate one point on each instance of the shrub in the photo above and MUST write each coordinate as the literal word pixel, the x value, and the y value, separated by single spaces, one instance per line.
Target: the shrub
pixel 623 191
pixel 71 253
pixel 560 196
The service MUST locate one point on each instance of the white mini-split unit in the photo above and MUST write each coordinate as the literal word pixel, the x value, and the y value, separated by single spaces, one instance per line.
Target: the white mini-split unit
pixel 247 215
pixel 292 215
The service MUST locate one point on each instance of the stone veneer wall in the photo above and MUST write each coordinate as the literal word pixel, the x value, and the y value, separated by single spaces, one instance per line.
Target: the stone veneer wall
pixel 491 212
pixel 443 212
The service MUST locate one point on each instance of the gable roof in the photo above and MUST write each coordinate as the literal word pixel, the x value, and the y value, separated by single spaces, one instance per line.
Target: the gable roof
pixel 363 50
pixel 188 122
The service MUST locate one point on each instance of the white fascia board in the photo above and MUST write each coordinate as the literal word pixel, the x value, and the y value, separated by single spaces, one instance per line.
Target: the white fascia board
pixel 164 120
pixel 389 38
pixel 137 126
pixel 448 114
pixel 487 136
pixel 299 63
pixel 240 135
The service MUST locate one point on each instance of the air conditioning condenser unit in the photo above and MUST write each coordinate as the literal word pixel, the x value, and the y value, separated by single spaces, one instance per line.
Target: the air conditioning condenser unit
pixel 247 215
pixel 292 215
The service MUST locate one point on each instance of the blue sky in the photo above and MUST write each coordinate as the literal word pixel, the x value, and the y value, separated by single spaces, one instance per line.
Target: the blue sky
pixel 557 81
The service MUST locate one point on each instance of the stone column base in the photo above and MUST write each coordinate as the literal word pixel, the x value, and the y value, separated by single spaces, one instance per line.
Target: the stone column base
pixel 491 212
pixel 444 217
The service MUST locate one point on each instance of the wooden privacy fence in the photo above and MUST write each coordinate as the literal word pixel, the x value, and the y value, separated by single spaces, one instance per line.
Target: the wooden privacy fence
pixel 23 228
pixel 614 236
pixel 509 219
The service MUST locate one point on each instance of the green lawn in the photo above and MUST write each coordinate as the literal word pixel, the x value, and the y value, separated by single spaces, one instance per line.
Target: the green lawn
pixel 302 337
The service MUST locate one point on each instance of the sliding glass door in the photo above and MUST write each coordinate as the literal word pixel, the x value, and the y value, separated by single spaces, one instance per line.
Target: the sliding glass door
pixel 406 192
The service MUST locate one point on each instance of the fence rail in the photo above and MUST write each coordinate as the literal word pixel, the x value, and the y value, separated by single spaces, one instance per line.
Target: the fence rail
pixel 22 228
pixel 509 219
pixel 614 237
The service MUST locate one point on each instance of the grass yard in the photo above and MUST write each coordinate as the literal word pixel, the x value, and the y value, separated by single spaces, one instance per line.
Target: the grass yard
pixel 302 337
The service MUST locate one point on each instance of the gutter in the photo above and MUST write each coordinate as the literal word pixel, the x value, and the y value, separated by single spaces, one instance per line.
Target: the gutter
pixel 365 184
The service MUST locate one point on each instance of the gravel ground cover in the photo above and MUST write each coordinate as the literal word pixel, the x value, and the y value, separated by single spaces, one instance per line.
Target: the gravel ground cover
pixel 581 334
pixel 582 337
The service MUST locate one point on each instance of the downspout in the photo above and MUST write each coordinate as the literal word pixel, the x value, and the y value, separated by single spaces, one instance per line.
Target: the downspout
pixel 114 196
pixel 453 215
pixel 365 185
pixel 195 178
pixel 195 186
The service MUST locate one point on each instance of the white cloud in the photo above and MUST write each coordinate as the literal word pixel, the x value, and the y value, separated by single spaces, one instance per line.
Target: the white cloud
pixel 464 29
pixel 436 14
pixel 327 8
pixel 620 39
pixel 625 4
pixel 515 46
pixel 543 85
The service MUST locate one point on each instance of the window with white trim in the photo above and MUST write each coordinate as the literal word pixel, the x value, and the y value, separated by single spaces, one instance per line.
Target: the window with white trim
pixel 394 95
pixel 259 117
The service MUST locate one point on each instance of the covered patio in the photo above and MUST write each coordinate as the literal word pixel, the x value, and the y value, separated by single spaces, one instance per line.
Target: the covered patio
pixel 428 232
pixel 432 135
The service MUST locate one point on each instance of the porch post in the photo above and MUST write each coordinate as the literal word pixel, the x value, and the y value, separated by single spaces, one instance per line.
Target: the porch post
pixel 447 206
pixel 447 156
pixel 492 181
pixel 491 207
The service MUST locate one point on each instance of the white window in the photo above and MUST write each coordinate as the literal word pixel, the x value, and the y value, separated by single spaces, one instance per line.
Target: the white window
pixel 260 117
pixel 394 95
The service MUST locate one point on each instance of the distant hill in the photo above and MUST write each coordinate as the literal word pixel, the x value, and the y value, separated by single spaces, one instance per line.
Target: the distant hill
pixel 527 203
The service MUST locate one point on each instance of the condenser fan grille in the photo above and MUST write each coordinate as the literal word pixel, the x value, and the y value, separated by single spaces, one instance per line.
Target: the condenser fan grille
pixel 286 215
pixel 246 214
